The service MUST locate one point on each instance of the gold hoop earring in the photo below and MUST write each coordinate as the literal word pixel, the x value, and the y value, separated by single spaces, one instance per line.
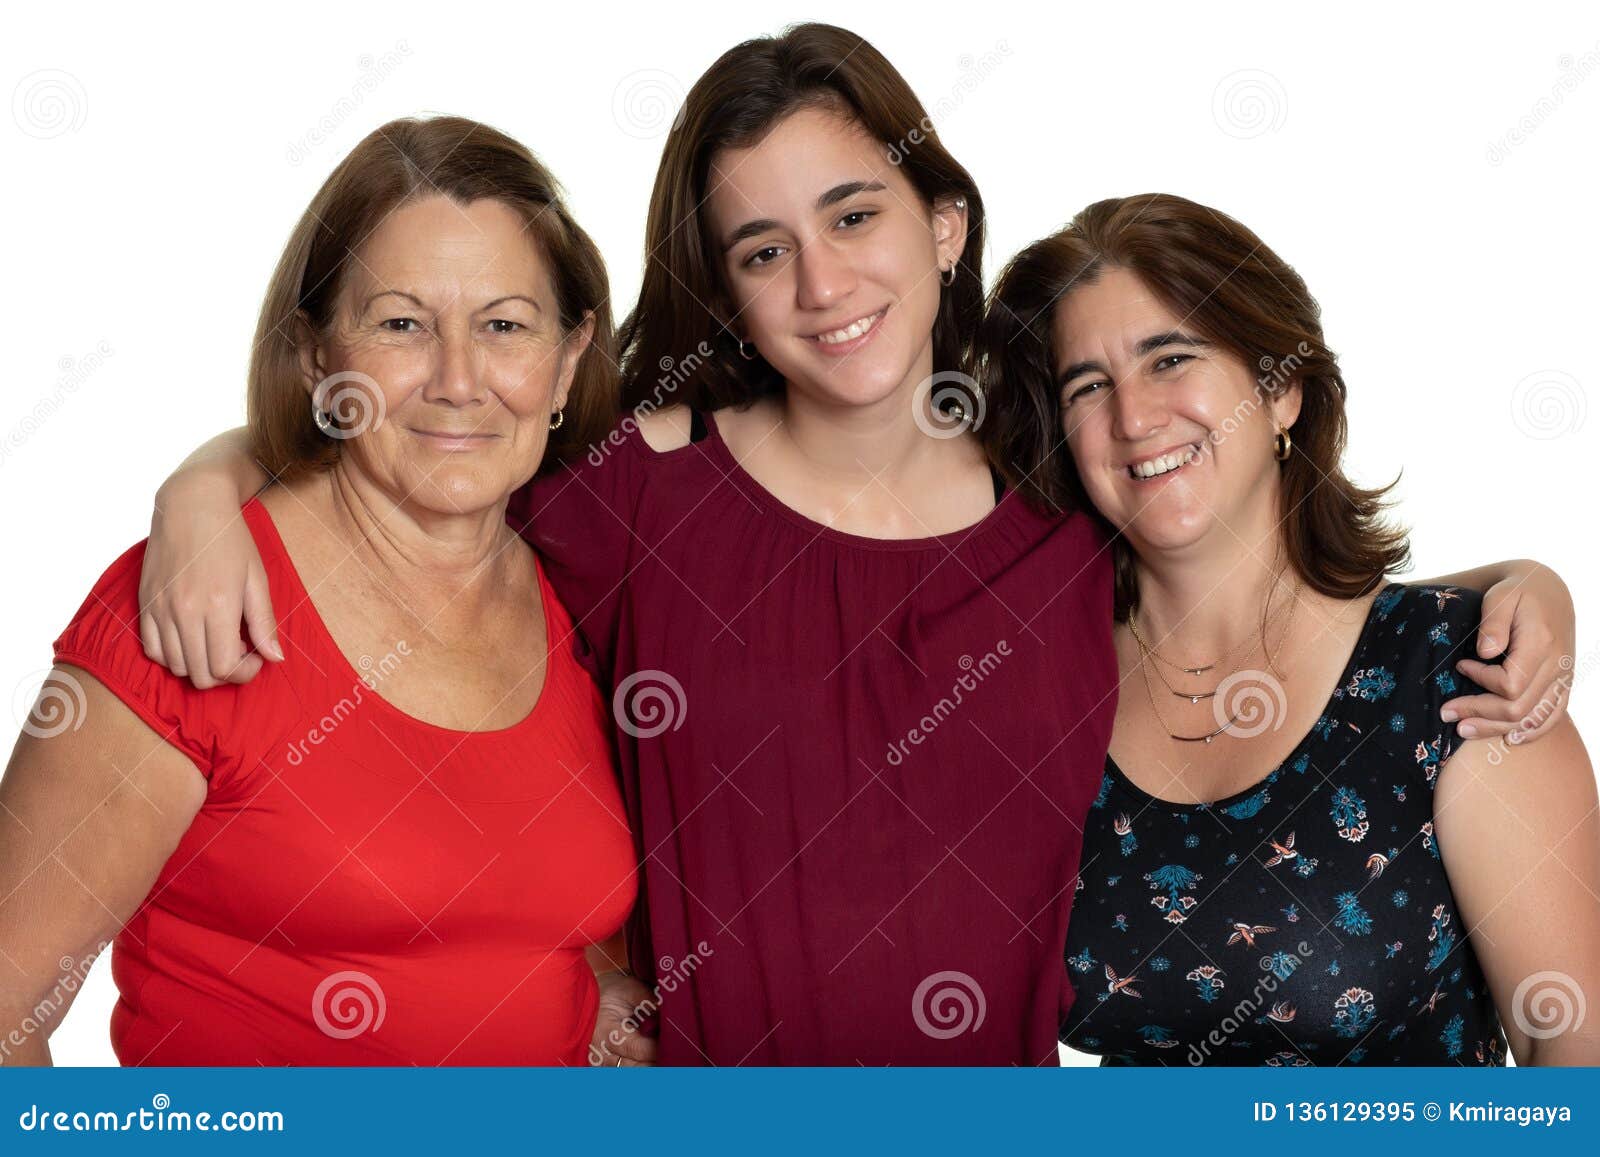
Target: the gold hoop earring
pixel 1281 445
pixel 948 276
pixel 557 418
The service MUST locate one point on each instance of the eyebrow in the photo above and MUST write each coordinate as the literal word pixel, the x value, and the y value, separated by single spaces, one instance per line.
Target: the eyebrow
pixel 418 302
pixel 840 192
pixel 1145 346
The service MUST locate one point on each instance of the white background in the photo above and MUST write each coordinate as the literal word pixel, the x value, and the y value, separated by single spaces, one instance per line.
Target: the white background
pixel 1431 175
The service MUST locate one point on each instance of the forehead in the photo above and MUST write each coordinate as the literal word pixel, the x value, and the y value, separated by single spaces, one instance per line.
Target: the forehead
pixel 435 241
pixel 805 154
pixel 1113 311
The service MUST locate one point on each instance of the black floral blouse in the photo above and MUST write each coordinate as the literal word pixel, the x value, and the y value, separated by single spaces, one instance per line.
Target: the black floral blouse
pixel 1306 920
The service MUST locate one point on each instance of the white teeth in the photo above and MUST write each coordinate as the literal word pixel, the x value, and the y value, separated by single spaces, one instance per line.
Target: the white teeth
pixel 850 332
pixel 1165 463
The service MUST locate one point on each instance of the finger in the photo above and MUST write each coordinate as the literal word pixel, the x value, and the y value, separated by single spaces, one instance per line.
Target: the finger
pixel 192 634
pixel 245 669
pixel 1481 707
pixel 1495 626
pixel 1501 682
pixel 224 648
pixel 150 636
pixel 635 1047
pixel 259 620
pixel 172 647
pixel 1476 728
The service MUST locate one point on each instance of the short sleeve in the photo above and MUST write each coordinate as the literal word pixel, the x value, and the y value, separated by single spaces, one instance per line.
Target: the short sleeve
pixel 1428 629
pixel 103 639
pixel 580 518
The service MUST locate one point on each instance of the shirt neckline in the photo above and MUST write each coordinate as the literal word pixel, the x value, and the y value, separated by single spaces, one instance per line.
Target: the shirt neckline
pixel 259 519
pixel 747 483
pixel 1353 664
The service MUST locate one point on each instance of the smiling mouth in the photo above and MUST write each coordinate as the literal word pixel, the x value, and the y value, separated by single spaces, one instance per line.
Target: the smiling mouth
pixel 444 437
pixel 856 329
pixel 1163 464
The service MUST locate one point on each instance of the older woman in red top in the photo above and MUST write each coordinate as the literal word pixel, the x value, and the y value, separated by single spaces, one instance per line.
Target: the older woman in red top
pixel 399 844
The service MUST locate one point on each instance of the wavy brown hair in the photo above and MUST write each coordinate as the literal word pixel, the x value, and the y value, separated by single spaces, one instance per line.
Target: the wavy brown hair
pixel 1223 280
pixel 398 163
pixel 683 299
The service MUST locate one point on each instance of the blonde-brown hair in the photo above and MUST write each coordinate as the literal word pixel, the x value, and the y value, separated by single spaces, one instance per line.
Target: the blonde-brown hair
pixel 395 164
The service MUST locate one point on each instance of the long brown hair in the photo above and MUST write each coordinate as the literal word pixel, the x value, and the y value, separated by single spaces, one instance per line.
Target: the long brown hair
pixel 400 162
pixel 1222 279
pixel 683 301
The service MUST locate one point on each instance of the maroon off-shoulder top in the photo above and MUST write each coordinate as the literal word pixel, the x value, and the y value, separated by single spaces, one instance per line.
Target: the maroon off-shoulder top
pixel 856 769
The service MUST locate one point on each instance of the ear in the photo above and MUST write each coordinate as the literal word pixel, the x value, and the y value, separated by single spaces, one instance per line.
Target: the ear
pixel 308 351
pixel 950 228
pixel 1286 404
pixel 574 346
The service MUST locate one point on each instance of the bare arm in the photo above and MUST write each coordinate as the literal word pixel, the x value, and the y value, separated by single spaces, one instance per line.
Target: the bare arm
pixel 1528 614
pixel 1520 838
pixel 202 573
pixel 88 817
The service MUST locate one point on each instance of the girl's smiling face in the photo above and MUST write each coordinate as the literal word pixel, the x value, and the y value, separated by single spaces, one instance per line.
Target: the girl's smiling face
pixel 830 257
pixel 1171 435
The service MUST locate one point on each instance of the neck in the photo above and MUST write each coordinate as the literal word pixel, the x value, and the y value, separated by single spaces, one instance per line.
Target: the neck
pixel 858 443
pixel 1197 605
pixel 435 563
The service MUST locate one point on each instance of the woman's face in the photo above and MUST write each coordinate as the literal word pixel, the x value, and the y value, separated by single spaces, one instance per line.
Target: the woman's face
pixel 1172 437
pixel 830 257
pixel 447 358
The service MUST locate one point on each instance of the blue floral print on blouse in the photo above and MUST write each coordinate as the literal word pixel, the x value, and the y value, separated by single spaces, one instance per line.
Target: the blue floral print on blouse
pixel 1306 920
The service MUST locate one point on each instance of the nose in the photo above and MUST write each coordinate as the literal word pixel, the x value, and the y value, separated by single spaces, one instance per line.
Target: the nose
pixel 455 378
pixel 1138 408
pixel 823 274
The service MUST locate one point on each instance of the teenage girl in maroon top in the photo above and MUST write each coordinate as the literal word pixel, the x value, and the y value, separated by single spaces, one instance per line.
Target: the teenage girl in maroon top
pixel 863 691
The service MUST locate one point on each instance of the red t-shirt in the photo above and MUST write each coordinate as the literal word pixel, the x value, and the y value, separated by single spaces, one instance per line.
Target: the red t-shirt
pixel 360 886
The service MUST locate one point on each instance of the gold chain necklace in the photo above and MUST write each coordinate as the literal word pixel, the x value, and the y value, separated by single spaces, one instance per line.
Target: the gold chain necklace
pixel 1272 662
pixel 1196 696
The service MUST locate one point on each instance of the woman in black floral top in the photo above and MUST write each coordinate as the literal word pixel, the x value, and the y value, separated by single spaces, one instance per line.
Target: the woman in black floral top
pixel 1308 847
pixel 1322 925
